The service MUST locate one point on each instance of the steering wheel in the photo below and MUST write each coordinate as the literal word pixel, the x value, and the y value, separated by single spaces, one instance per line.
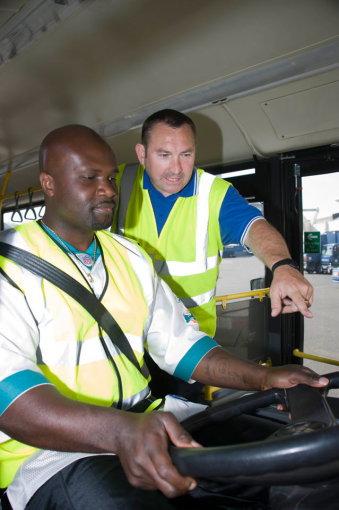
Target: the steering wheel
pixel 304 451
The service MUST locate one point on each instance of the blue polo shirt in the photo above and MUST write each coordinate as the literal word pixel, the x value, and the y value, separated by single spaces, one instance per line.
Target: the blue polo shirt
pixel 235 217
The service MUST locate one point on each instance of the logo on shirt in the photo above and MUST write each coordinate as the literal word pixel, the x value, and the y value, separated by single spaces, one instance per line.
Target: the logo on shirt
pixel 189 317
pixel 85 259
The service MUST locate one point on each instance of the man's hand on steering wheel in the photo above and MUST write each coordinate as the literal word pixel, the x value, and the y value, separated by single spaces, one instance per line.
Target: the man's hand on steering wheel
pixel 289 376
pixel 143 452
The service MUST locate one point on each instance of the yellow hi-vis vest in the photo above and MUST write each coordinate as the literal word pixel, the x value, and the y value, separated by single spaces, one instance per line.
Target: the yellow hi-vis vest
pixel 188 252
pixel 70 353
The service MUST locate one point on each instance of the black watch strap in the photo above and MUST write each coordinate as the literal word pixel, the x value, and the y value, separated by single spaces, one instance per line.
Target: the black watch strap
pixel 285 262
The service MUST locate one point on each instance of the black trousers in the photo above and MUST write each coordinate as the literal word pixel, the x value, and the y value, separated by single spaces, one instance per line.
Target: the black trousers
pixel 99 483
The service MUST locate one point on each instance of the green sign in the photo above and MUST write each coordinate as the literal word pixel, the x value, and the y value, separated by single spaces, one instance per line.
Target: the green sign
pixel 312 242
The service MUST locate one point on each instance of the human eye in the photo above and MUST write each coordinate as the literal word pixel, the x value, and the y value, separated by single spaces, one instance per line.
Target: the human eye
pixel 112 178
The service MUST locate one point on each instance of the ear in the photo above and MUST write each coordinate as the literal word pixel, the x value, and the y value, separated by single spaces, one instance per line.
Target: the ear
pixel 141 153
pixel 47 184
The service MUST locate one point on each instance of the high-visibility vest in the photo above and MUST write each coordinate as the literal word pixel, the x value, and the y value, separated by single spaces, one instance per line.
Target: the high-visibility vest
pixel 188 252
pixel 70 353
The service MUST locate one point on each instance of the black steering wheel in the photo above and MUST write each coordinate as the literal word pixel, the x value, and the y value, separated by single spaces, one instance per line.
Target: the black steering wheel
pixel 304 451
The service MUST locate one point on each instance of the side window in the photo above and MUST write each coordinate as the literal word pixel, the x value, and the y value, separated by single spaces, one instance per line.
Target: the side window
pixel 321 221
pixel 240 270
pixel 242 325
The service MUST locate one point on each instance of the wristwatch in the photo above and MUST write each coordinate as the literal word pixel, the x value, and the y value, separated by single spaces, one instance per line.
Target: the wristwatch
pixel 285 262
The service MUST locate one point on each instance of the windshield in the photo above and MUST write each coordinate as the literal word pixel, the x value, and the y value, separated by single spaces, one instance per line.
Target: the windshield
pixel 327 250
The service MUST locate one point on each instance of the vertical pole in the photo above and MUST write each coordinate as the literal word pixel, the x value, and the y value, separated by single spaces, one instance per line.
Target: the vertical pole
pixel 4 185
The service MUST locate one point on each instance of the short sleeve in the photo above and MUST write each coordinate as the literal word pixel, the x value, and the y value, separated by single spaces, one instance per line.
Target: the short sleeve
pixel 236 217
pixel 19 337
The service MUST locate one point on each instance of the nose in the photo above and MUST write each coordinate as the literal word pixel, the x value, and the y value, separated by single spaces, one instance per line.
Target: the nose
pixel 107 188
pixel 176 166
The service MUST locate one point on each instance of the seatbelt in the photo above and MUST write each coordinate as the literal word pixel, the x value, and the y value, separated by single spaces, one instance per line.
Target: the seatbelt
pixel 73 288
pixel 126 186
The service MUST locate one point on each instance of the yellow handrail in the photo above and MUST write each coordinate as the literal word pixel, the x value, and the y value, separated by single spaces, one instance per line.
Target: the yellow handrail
pixel 209 390
pixel 240 295
pixel 4 184
pixel 329 361
pixel 24 192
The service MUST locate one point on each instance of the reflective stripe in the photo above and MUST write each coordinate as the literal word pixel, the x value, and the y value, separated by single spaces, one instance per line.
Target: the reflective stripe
pixel 202 299
pixel 148 404
pixel 196 182
pixel 164 268
pixel 73 353
pixel 201 235
pixel 126 187
pixel 134 399
pixel 141 266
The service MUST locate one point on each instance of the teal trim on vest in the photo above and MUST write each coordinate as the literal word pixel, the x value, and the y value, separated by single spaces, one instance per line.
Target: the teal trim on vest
pixel 16 384
pixel 188 363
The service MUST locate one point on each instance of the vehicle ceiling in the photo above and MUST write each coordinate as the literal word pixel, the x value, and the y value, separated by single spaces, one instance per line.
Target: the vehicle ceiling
pixel 257 76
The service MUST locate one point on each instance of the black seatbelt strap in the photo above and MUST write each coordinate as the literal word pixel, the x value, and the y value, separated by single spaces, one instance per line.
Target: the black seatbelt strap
pixel 73 288
pixel 126 186
pixel 144 404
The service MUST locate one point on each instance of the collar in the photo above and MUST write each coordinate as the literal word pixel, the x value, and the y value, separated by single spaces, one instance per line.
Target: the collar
pixel 89 251
pixel 190 190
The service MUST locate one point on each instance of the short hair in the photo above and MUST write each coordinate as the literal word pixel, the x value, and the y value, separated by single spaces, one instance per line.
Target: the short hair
pixel 171 118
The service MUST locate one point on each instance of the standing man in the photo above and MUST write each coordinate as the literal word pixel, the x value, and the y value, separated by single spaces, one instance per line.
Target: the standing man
pixel 68 438
pixel 183 216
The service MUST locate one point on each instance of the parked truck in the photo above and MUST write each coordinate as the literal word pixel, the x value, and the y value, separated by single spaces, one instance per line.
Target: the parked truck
pixel 335 273
pixel 323 262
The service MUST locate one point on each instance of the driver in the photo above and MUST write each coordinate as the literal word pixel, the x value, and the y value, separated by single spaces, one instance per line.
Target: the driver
pixel 67 440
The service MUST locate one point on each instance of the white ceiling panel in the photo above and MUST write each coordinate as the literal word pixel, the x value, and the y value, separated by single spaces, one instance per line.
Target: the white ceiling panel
pixel 303 114
pixel 109 60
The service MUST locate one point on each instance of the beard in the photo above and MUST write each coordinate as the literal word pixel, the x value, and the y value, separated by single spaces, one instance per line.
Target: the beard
pixel 102 223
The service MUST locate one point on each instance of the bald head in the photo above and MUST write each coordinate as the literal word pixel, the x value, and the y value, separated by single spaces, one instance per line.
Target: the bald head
pixel 77 174
pixel 65 142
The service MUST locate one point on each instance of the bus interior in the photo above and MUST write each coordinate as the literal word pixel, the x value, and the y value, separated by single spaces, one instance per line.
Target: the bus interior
pixel 260 79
